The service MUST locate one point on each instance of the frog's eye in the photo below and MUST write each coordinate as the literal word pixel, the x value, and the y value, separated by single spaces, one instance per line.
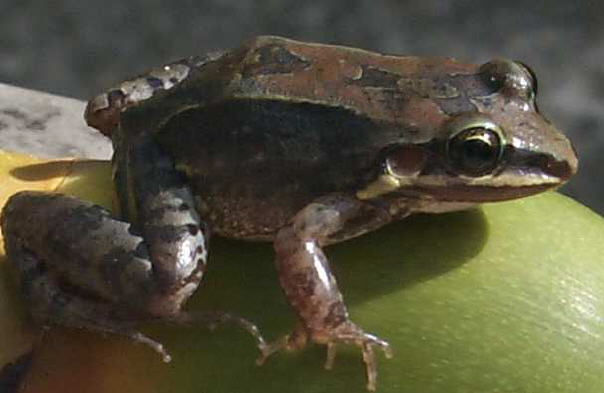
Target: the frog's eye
pixel 509 77
pixel 530 74
pixel 475 150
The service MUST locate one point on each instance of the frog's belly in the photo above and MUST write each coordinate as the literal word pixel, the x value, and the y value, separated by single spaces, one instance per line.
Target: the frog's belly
pixel 243 217
pixel 253 204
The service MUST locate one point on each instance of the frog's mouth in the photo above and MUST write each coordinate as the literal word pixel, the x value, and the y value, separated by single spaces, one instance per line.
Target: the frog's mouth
pixel 472 194
pixel 459 192
pixel 524 178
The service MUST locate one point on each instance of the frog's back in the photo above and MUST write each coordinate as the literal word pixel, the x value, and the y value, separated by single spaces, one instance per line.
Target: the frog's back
pixel 274 68
pixel 373 84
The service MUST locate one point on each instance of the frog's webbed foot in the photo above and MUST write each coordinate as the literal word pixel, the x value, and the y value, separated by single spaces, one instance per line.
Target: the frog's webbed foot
pixel 213 319
pixel 311 288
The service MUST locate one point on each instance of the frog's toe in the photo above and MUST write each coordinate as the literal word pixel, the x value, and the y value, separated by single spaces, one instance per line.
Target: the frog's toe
pixel 345 333
pixel 350 333
pixel 213 319
pixel 141 338
pixel 267 350
pixel 297 339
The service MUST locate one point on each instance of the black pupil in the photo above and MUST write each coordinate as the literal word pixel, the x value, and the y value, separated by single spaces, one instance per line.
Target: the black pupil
pixel 477 152
pixel 474 152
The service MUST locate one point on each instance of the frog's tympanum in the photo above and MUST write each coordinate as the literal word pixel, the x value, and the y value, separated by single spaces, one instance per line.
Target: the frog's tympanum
pixel 300 144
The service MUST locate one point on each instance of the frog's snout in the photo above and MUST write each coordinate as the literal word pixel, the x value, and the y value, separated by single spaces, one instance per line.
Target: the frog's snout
pixel 563 170
pixel 566 164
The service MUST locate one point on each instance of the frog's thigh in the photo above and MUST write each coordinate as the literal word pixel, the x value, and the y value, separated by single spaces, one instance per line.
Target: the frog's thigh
pixel 158 199
pixel 79 246
pixel 94 256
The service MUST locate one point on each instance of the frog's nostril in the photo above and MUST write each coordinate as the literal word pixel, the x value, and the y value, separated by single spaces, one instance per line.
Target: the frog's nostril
pixel 547 165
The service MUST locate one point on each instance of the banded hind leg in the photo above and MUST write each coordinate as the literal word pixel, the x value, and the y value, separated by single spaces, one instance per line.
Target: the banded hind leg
pixel 81 267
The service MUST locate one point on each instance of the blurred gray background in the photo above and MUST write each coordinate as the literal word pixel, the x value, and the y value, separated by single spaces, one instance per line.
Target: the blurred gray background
pixel 77 48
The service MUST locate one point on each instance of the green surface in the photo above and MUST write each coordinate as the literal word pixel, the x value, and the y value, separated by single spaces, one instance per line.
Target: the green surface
pixel 509 298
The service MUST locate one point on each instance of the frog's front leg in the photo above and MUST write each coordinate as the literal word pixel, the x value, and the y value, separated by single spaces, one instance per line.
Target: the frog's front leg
pixel 78 266
pixel 309 285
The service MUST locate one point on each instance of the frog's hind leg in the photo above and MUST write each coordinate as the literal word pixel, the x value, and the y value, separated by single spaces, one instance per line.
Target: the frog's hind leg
pixel 159 200
pixel 50 304
pixel 120 273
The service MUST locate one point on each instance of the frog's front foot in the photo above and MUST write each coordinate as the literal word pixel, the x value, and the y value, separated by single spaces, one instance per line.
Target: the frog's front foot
pixel 346 333
pixel 350 333
pixel 311 288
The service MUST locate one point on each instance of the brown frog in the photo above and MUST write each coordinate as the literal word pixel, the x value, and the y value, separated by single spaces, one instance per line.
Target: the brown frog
pixel 301 144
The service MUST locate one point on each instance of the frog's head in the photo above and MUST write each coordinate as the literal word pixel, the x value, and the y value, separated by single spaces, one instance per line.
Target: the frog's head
pixel 502 148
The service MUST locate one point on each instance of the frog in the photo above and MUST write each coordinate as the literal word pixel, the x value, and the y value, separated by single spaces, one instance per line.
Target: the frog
pixel 300 144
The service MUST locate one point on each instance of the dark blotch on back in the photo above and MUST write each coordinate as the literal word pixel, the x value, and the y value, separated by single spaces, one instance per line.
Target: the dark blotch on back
pixel 468 86
pixel 274 59
pixel 375 77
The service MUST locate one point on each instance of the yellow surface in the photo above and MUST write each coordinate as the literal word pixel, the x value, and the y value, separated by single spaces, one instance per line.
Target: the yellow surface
pixel 21 172
pixel 17 173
